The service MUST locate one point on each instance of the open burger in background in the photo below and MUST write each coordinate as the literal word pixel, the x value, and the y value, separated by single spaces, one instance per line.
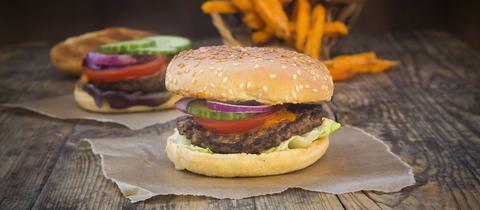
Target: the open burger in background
pixel 251 111
pixel 67 55
pixel 128 76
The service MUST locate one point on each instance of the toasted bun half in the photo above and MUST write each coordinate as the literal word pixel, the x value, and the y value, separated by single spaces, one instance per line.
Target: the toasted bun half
pixel 266 75
pixel 68 55
pixel 87 102
pixel 244 165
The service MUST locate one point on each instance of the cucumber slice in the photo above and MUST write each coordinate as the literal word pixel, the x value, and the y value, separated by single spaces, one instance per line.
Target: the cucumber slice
pixel 126 47
pixel 180 43
pixel 158 50
pixel 199 108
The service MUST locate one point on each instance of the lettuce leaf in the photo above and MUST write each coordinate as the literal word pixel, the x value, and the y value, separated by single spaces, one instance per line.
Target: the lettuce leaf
pixel 326 128
pixel 181 139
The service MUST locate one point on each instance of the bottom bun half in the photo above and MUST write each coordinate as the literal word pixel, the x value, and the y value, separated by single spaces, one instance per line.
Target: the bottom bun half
pixel 87 102
pixel 242 164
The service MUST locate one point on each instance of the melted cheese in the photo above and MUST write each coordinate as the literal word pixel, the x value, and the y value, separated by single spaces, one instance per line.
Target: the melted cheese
pixel 282 115
pixel 84 79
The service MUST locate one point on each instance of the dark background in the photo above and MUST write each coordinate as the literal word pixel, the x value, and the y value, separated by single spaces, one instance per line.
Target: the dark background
pixel 54 20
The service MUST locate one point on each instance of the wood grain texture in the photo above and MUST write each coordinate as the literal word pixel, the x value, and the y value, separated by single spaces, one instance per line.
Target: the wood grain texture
pixel 427 110
pixel 30 143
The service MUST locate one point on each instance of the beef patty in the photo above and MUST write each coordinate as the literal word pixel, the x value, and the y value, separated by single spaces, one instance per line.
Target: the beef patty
pixel 148 84
pixel 256 140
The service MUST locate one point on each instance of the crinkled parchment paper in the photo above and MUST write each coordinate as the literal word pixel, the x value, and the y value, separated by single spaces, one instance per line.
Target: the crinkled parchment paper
pixel 355 161
pixel 65 107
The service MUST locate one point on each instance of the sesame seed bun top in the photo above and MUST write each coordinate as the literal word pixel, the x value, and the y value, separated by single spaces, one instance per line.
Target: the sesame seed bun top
pixel 266 75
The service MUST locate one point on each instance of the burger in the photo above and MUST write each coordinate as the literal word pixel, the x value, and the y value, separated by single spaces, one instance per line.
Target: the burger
pixel 128 76
pixel 250 111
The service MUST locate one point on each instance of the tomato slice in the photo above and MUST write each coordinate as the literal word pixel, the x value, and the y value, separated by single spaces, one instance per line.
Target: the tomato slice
pixel 234 126
pixel 128 72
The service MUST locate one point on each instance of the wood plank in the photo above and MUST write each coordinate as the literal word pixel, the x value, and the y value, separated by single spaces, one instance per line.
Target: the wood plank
pixel 358 200
pixel 77 180
pixel 426 111
pixel 298 199
pixel 31 144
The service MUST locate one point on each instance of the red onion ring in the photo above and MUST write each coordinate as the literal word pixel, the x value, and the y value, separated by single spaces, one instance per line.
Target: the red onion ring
pixel 182 104
pixel 113 59
pixel 224 107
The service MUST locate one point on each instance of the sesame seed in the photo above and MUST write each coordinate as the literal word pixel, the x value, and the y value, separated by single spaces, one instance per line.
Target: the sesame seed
pixel 211 68
pixel 224 94
pixel 294 57
pixel 265 88
pixel 315 90
pixel 230 91
pixel 194 80
pixel 220 74
pixel 284 67
pixel 241 85
pixel 273 76
pixel 301 86
pixel 219 68
pixel 211 84
pixel 324 87
pixel 297 88
pixel 314 78
pixel 249 84
pixel 286 97
pixel 307 86
pixel 225 79
pixel 201 71
pixel 298 72
pixel 256 66
pixel 236 64
pixel 294 76
pixel 215 72
pixel 293 64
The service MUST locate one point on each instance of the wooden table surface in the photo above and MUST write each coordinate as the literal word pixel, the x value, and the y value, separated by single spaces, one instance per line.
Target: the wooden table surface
pixel 427 110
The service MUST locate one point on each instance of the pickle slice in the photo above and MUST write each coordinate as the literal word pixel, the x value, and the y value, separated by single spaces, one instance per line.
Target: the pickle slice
pixel 199 108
